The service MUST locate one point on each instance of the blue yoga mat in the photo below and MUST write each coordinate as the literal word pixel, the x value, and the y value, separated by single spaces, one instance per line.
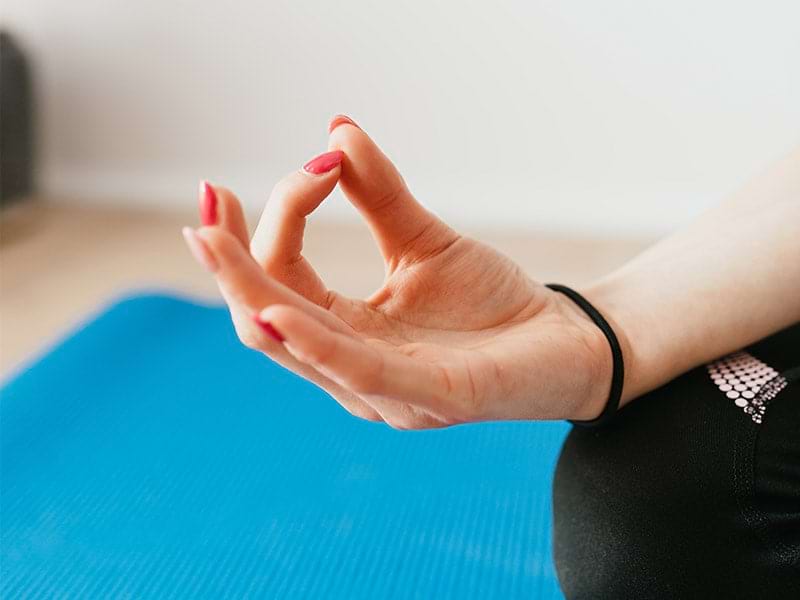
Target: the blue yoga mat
pixel 150 455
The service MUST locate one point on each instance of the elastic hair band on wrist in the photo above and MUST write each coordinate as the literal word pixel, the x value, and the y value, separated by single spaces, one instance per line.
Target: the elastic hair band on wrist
pixel 618 370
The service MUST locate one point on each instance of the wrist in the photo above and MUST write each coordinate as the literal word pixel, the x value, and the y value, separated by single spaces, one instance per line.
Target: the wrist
pixel 637 338
pixel 591 384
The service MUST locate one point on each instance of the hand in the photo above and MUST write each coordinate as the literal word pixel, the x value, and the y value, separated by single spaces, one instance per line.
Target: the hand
pixel 456 333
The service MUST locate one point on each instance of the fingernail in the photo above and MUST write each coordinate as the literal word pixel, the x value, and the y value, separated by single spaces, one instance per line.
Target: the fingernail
pixel 208 204
pixel 269 329
pixel 199 249
pixel 341 120
pixel 324 162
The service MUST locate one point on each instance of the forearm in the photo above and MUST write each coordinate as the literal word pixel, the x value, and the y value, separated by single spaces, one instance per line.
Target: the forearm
pixel 727 280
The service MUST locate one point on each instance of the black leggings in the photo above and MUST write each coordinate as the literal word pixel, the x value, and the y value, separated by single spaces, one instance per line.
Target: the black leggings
pixel 693 491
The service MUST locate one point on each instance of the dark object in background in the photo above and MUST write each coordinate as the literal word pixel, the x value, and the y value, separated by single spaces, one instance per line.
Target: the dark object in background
pixel 16 123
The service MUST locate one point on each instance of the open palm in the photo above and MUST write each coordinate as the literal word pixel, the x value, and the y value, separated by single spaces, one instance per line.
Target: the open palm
pixel 457 332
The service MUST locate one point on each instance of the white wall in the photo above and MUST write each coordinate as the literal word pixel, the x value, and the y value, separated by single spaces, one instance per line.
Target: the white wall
pixel 601 116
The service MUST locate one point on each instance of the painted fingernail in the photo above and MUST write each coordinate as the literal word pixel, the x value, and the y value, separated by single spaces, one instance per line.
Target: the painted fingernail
pixel 269 329
pixel 341 120
pixel 324 162
pixel 208 204
pixel 199 249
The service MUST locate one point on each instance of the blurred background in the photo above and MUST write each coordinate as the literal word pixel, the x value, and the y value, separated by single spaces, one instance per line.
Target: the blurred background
pixel 569 134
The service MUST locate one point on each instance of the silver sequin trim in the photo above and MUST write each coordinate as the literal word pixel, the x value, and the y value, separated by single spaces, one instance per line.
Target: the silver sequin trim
pixel 749 382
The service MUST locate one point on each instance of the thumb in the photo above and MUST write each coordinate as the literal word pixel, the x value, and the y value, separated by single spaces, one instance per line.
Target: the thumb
pixel 403 229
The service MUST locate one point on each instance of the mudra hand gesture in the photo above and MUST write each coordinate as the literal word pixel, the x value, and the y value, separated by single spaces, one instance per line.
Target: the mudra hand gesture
pixel 456 332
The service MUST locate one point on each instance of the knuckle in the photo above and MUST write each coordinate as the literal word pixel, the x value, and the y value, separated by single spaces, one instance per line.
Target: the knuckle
pixel 391 197
pixel 286 192
pixel 329 299
pixel 279 191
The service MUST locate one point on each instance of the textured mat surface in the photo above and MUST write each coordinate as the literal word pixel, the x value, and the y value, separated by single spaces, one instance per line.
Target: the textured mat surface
pixel 152 456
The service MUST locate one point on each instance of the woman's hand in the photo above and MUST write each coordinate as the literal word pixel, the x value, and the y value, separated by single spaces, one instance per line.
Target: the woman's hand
pixel 456 332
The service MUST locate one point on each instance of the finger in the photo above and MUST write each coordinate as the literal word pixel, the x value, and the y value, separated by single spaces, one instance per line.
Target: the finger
pixel 402 227
pixel 366 369
pixel 252 333
pixel 267 339
pixel 220 206
pixel 244 283
pixel 279 235
pixel 277 244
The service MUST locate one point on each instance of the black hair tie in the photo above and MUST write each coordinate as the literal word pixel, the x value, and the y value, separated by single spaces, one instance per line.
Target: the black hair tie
pixel 618 371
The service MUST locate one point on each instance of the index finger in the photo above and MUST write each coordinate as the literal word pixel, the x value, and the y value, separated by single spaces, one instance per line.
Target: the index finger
pixel 245 282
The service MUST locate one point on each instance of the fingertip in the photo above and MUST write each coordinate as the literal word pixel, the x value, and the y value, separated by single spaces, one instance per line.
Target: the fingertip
pixel 273 312
pixel 346 135
pixel 340 119
pixel 297 331
pixel 289 318
pixel 268 327
pixel 365 165
pixel 199 249
pixel 188 234
pixel 324 163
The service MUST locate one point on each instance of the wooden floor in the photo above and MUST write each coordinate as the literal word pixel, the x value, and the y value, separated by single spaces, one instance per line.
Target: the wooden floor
pixel 59 264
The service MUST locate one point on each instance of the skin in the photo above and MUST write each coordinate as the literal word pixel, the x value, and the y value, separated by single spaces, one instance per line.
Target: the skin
pixel 459 333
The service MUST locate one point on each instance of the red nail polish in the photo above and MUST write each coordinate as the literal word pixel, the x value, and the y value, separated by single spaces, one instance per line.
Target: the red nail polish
pixel 341 120
pixel 269 329
pixel 324 162
pixel 208 204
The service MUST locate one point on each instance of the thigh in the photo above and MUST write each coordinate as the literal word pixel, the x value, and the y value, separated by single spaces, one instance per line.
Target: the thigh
pixel 693 491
